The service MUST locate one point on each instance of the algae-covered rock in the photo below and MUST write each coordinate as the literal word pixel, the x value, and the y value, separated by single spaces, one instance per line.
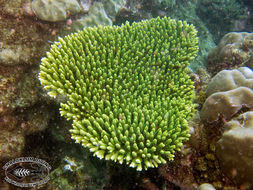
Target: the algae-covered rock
pixel 75 173
pixel 8 56
pixel 37 119
pixel 55 10
pixel 96 16
pixel 226 104
pixel 230 79
pixel 13 55
pixel 11 144
pixel 234 149
pixel 112 7
pixel 86 4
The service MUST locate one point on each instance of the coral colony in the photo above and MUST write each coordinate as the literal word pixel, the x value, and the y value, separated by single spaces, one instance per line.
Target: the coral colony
pixel 129 95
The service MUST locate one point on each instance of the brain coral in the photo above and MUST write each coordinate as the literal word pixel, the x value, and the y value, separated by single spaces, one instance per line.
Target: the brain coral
pixel 129 94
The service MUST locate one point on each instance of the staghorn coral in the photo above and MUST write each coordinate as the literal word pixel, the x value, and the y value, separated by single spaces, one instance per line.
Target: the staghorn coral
pixel 128 91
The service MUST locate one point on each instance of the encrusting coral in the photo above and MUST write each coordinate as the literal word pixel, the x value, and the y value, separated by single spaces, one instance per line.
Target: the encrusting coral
pixel 128 91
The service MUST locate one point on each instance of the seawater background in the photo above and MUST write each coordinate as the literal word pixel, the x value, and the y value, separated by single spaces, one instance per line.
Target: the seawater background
pixel 30 123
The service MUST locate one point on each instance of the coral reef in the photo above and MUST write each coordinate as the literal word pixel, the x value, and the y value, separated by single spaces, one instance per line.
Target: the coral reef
pixel 223 105
pixel 57 10
pixel 29 120
pixel 234 50
pixel 234 149
pixel 23 110
pixel 229 108
pixel 230 79
pixel 121 103
pixel 229 92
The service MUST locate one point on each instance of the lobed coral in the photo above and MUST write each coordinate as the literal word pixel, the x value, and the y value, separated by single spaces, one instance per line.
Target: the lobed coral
pixel 226 104
pixel 234 50
pixel 128 91
pixel 230 79
pixel 56 10
pixel 228 92
pixel 230 103
pixel 234 149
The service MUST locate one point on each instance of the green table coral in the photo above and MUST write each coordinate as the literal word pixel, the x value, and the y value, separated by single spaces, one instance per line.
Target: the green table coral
pixel 128 91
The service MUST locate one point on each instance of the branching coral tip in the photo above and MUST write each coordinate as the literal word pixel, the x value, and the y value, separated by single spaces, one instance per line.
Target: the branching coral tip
pixel 129 100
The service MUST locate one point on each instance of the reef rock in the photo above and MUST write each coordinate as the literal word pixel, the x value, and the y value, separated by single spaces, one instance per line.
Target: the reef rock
pixel 55 10
pixel 234 149
pixel 11 144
